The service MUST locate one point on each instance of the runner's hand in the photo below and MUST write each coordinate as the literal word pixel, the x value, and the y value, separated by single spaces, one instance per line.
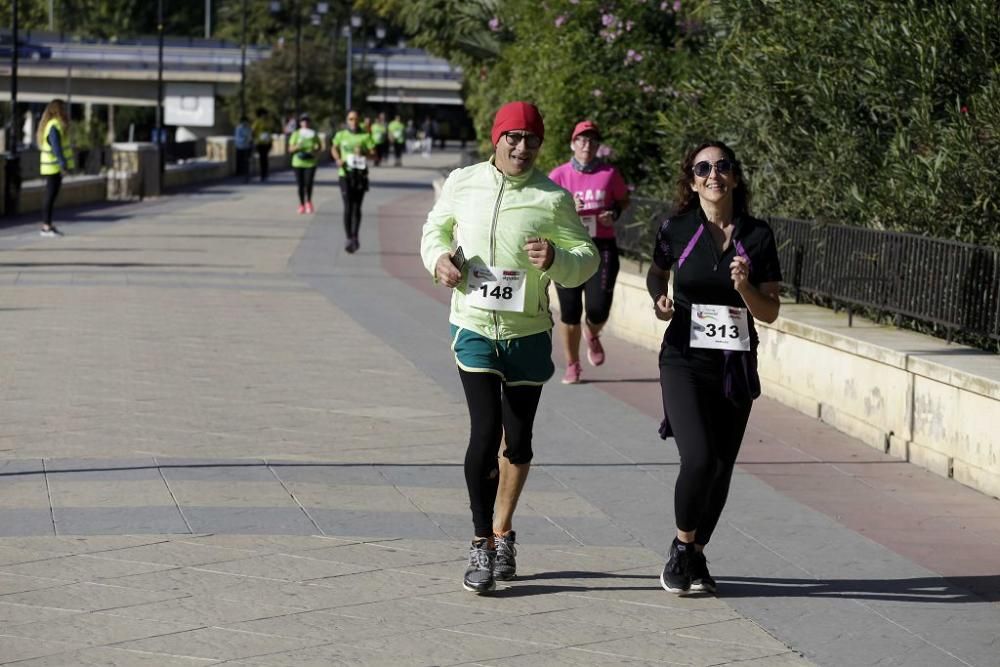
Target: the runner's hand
pixel 578 200
pixel 607 218
pixel 664 308
pixel 445 271
pixel 540 253
pixel 739 271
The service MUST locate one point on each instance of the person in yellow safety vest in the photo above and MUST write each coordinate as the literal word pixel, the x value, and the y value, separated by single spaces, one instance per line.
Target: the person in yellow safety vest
pixel 55 157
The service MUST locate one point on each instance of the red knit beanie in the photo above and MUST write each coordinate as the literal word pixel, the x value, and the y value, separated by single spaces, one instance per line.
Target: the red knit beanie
pixel 518 116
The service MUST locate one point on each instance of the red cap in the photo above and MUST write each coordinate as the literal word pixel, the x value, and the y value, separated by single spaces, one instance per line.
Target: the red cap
pixel 518 116
pixel 585 126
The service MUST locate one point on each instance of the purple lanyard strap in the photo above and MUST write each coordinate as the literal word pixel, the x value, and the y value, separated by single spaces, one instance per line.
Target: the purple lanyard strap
pixel 740 250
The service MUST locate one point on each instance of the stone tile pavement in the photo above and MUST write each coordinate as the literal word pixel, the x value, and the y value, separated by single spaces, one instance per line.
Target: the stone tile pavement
pixel 224 441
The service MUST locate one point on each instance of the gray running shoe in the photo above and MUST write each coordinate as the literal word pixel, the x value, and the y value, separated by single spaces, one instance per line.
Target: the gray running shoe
pixel 479 574
pixel 505 567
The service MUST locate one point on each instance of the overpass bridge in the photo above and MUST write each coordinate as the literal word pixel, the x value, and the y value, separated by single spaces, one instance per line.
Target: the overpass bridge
pixel 125 73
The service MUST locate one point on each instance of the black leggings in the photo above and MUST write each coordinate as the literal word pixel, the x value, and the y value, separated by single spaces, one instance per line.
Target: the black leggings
pixel 352 197
pixel 304 177
pixel 52 184
pixel 496 410
pixel 708 429
pixel 263 151
pixel 599 288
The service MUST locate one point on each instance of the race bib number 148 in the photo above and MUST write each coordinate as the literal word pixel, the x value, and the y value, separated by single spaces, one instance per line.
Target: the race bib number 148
pixel 495 288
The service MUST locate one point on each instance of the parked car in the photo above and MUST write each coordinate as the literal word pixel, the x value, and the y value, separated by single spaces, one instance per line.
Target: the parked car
pixel 25 50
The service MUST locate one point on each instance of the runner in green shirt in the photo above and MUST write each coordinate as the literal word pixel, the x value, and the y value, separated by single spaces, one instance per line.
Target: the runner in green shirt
pixel 352 149
pixel 380 135
pixel 304 145
pixel 397 136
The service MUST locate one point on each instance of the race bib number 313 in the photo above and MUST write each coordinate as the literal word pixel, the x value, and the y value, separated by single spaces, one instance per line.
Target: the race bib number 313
pixel 495 288
pixel 719 327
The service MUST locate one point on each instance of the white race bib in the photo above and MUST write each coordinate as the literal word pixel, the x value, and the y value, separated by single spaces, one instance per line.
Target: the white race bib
pixel 494 288
pixel 590 222
pixel 719 327
pixel 306 133
pixel 356 161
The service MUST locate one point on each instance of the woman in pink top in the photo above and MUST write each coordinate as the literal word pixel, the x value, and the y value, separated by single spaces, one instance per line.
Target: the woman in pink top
pixel 601 195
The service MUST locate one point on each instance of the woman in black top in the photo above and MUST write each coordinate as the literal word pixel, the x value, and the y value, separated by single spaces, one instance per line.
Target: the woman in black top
pixel 726 275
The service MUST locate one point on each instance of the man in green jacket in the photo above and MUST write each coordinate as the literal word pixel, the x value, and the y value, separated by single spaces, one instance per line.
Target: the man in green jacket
pixel 498 235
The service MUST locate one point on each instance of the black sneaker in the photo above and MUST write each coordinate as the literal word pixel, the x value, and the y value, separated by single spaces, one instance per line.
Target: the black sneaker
pixel 676 576
pixel 479 574
pixel 701 580
pixel 505 567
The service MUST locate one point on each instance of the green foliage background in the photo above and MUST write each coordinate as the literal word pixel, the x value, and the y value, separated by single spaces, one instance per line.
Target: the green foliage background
pixel 877 113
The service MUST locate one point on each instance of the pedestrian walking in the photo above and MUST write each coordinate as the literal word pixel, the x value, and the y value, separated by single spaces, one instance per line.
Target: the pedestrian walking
pixel 304 145
pixel 262 129
pixel 427 134
pixel 501 327
pixel 243 138
pixel 726 276
pixel 412 137
pixel 600 195
pixel 55 158
pixel 351 149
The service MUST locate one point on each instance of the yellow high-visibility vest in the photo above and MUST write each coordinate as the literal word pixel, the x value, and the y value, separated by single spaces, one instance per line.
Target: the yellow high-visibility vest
pixel 48 163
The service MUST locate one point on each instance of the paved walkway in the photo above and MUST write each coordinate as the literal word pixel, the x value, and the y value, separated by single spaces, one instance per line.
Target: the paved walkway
pixel 223 440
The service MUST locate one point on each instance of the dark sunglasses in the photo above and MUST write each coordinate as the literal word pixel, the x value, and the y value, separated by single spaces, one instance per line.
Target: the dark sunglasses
pixel 530 140
pixel 704 168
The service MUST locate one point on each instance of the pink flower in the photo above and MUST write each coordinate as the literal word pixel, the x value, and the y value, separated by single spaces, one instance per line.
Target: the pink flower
pixel 607 19
pixel 605 151
pixel 677 5
pixel 494 24
pixel 964 109
pixel 637 57
pixel 629 25
pixel 596 92
pixel 561 19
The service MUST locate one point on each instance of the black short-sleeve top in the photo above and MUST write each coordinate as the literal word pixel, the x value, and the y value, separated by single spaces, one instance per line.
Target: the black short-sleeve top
pixel 704 275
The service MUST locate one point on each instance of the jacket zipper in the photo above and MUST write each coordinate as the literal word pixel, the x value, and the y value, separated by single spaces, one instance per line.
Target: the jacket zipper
pixel 493 248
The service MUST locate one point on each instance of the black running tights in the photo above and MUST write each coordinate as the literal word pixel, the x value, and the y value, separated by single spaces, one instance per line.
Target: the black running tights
pixel 708 430
pixel 352 198
pixel 496 410
pixel 304 177
pixel 52 184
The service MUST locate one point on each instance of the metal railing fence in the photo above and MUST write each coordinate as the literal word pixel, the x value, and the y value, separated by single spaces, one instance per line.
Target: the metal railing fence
pixel 948 284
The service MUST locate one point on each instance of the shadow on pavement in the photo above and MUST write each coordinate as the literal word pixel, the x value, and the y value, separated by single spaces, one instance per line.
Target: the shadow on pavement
pixel 920 589
pixel 118 265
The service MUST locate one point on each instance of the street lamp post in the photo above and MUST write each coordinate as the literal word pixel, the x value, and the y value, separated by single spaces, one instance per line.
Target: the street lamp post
pixel 159 80
pixel 298 59
pixel 243 64
pixel 380 33
pixel 12 171
pixel 349 65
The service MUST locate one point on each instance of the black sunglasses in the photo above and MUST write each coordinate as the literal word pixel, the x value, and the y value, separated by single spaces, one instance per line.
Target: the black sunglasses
pixel 530 140
pixel 704 168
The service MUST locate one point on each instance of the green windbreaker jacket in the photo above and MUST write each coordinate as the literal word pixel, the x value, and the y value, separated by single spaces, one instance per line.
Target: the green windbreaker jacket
pixel 491 215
